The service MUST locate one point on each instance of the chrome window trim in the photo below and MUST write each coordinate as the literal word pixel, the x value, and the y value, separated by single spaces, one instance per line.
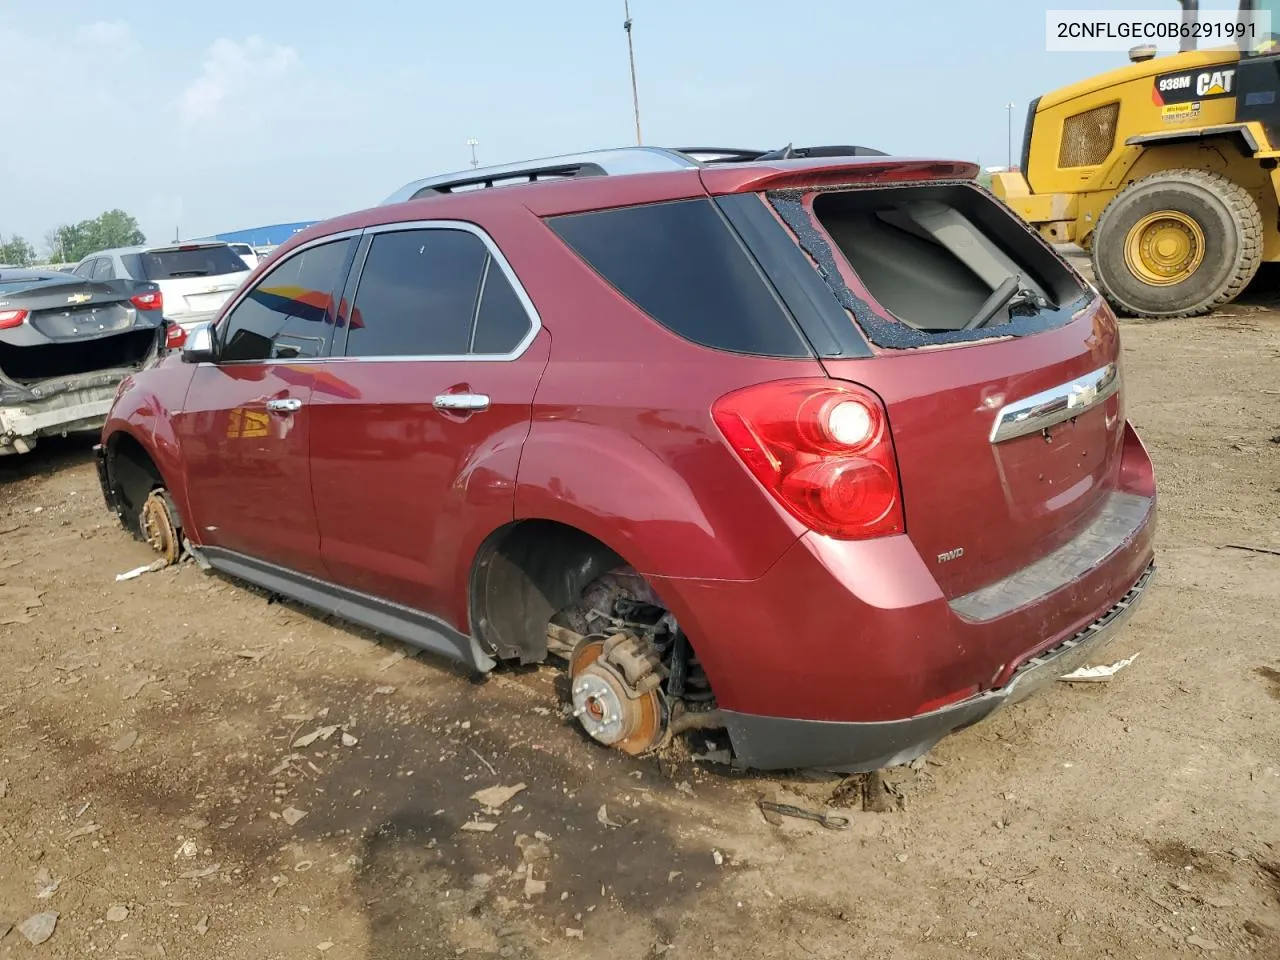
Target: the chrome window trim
pixel 496 255
pixel 1056 405
pixel 234 303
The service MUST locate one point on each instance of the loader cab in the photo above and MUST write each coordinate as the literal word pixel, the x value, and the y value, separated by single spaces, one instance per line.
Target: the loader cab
pixel 1258 73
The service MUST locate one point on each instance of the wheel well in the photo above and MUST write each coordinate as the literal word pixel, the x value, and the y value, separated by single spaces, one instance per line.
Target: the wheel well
pixel 523 574
pixel 132 475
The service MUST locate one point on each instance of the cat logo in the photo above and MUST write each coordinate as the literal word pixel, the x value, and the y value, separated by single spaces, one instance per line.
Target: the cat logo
pixel 79 298
pixel 1215 84
pixel 1189 86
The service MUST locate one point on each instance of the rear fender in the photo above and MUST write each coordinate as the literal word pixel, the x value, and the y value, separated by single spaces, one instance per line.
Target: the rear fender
pixel 140 412
pixel 624 494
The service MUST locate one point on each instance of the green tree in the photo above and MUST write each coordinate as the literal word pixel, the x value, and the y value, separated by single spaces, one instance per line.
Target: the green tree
pixel 17 252
pixel 114 228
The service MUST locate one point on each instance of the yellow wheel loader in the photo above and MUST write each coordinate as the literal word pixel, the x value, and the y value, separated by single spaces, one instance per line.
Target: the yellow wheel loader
pixel 1166 170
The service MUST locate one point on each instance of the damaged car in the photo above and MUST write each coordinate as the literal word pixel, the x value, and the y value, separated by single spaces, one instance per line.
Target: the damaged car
pixel 825 449
pixel 65 345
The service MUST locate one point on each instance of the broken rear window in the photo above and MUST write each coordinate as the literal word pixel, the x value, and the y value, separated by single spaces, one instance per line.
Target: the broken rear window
pixel 944 262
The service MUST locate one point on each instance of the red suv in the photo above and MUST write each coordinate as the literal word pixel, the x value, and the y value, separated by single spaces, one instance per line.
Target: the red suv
pixel 822 448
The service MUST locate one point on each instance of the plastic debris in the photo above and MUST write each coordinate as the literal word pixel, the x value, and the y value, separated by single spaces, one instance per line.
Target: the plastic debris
pixel 39 928
pixel 494 797
pixel 139 571
pixel 1097 674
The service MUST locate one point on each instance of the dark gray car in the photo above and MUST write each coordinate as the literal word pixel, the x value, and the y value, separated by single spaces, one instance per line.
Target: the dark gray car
pixel 65 343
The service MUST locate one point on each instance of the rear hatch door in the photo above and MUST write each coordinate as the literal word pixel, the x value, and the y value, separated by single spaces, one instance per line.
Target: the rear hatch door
pixel 998 364
pixel 196 278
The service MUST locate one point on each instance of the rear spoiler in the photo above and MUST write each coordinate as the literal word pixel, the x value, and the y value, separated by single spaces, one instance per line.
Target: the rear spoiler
pixel 192 245
pixel 792 174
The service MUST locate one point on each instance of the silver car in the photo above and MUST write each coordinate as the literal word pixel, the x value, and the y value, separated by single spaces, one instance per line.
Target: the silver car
pixel 195 278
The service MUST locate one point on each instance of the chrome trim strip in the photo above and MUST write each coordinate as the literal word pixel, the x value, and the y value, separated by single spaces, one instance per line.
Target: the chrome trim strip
pixel 1055 405
pixel 615 162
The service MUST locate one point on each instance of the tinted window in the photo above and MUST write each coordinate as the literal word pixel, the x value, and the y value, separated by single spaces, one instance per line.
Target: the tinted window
pixel 417 295
pixel 289 312
pixel 681 264
pixel 102 269
pixel 177 264
pixel 502 321
pixel 85 269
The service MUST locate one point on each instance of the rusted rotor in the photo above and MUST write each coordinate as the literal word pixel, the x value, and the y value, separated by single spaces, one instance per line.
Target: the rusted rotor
pixel 615 689
pixel 159 527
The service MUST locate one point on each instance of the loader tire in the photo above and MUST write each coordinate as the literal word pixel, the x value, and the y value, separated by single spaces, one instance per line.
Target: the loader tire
pixel 1177 244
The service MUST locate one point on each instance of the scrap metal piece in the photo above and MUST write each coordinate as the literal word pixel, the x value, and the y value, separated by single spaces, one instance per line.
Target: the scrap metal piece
pixel 772 812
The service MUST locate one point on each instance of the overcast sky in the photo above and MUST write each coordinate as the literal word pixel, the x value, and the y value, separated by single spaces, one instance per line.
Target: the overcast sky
pixel 204 118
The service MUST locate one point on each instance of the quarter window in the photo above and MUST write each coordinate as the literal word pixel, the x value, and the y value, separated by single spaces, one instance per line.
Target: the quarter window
pixel 434 293
pixel 289 313
pixel 681 264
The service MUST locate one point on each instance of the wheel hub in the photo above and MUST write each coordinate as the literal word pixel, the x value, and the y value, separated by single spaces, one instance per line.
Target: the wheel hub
pixel 614 687
pixel 159 527
pixel 1164 248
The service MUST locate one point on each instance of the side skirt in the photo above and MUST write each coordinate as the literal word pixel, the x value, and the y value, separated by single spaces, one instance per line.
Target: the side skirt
pixel 411 626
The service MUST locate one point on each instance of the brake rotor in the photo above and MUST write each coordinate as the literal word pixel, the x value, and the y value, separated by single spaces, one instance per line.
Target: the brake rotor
pixel 159 527
pixel 616 695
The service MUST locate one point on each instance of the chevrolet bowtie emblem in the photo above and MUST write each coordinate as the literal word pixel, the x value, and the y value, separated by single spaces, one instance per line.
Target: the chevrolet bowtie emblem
pixel 79 298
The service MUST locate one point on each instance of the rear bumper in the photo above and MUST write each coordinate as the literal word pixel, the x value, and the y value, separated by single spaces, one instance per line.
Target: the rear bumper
pixel 766 743
pixel 848 655
pixel 73 411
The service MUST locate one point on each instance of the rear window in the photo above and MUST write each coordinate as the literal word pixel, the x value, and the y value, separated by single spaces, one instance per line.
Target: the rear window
pixel 681 264
pixel 179 264
pixel 946 262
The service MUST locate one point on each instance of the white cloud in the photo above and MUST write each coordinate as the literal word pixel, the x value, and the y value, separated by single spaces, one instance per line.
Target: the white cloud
pixel 107 33
pixel 233 76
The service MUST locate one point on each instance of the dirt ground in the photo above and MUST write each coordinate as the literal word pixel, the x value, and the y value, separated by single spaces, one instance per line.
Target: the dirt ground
pixel 154 761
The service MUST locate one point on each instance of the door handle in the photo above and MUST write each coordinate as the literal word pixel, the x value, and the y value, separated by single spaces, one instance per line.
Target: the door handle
pixel 471 402
pixel 287 405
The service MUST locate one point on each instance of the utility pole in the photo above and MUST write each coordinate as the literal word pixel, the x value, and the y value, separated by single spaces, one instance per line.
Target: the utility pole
pixel 473 143
pixel 631 54
pixel 1009 109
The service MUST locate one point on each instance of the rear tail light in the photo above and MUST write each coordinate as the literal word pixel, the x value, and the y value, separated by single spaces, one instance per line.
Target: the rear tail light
pixel 175 336
pixel 148 301
pixel 822 449
pixel 11 318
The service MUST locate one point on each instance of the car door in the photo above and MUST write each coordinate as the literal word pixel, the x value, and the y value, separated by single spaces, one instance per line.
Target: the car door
pixel 417 430
pixel 246 425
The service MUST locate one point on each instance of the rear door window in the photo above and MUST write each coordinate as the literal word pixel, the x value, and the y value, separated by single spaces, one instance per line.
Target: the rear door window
pixel 683 265
pixel 102 269
pixel 289 313
pixel 434 292
pixel 185 263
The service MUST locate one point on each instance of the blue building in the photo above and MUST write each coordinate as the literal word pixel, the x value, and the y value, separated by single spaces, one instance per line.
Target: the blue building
pixel 269 236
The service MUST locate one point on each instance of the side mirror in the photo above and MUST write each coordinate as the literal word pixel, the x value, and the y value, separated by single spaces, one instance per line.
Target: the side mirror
pixel 199 345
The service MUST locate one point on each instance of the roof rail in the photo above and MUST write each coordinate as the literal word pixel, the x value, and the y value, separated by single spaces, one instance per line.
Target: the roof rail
pixel 597 163
pixel 609 163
